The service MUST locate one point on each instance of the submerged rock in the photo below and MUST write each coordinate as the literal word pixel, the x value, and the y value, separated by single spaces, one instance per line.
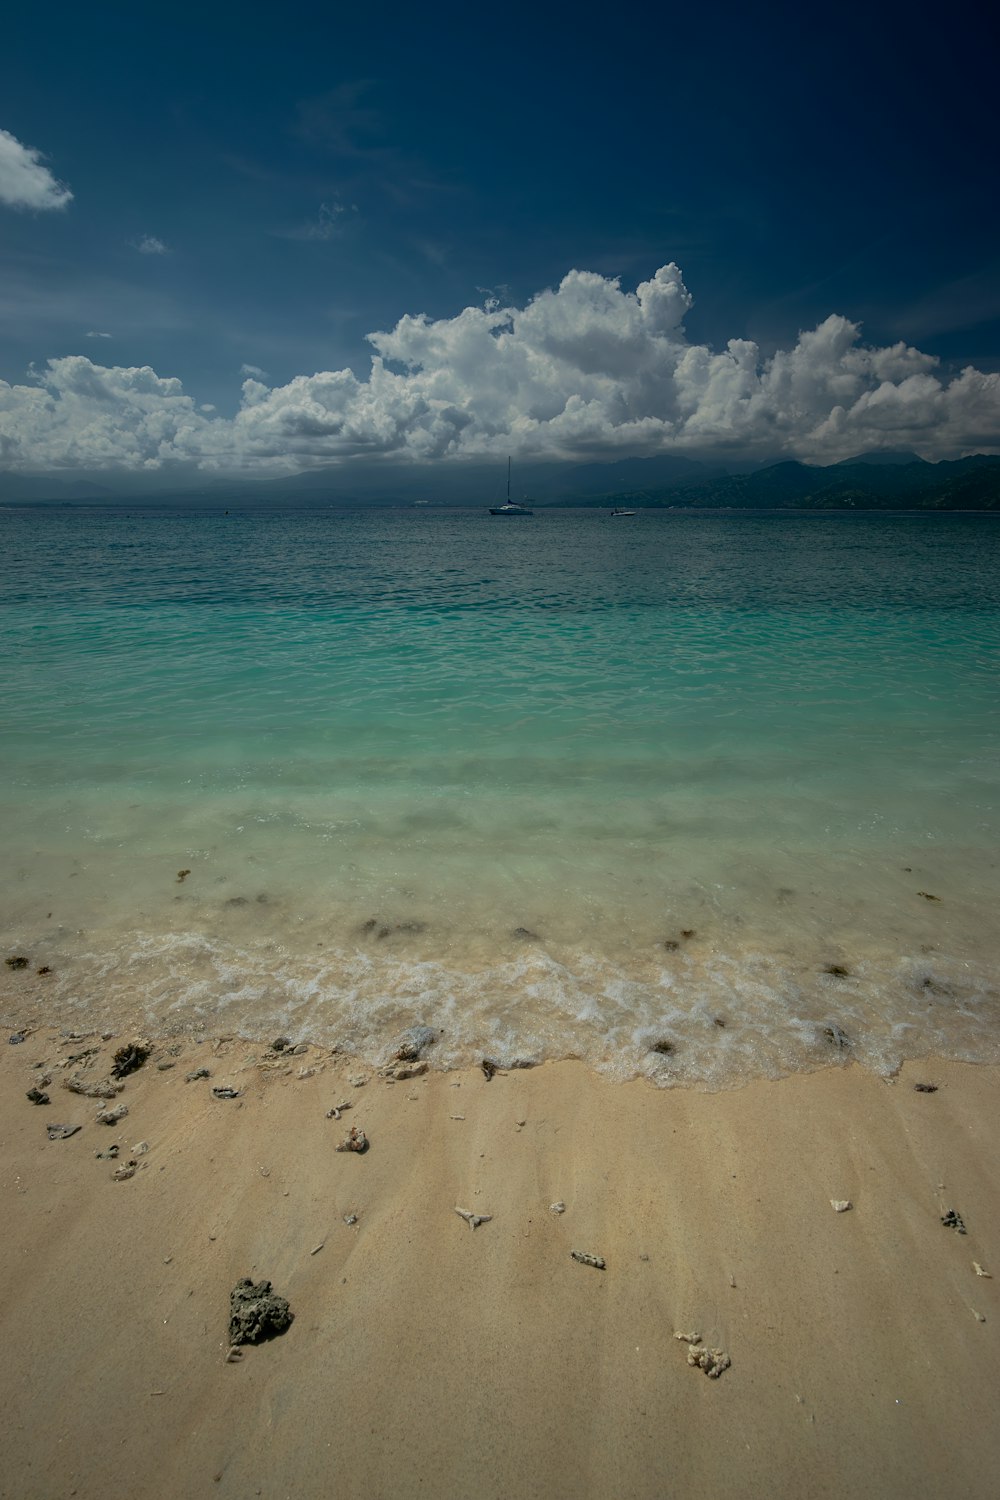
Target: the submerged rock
pixel 413 1042
pixel 256 1313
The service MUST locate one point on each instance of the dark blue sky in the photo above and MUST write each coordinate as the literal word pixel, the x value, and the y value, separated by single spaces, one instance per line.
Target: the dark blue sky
pixel 301 176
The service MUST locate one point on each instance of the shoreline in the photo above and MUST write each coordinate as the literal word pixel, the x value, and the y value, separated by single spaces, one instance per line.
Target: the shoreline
pixel 428 1358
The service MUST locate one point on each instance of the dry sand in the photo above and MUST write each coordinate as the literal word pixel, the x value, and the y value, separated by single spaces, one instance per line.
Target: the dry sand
pixel 429 1359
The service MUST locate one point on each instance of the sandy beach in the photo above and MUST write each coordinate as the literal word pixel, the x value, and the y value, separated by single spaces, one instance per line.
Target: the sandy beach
pixel 429 1358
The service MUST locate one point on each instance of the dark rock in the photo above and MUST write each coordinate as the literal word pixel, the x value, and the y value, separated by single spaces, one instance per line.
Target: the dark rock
pixel 43 970
pixel 280 1043
pixel 370 925
pixel 664 1047
pixel 953 1220
pixel 489 1068
pixel 926 1088
pixel 182 875
pixel 837 1037
pixel 688 932
pixel 16 1039
pixel 256 1313
pixel 17 962
pixel 37 1097
pixel 926 895
pixel 526 934
pixel 720 1021
pixel 671 945
pixel 837 970
pixel 129 1058
pixel 62 1132
pixel 225 1093
pixel 198 1073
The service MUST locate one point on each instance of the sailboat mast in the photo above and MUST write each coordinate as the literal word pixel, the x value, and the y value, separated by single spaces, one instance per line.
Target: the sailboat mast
pixel 508 478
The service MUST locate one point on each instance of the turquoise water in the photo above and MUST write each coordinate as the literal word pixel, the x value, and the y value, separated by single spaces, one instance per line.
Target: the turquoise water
pixel 383 742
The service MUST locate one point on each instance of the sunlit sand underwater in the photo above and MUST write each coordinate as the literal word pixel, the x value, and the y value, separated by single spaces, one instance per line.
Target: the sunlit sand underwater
pixel 698 797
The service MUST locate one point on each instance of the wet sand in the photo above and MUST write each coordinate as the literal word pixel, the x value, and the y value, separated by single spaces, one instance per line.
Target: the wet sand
pixel 429 1359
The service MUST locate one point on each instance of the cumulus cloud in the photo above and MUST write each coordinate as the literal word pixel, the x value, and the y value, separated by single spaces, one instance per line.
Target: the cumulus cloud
pixel 25 181
pixel 148 244
pixel 586 369
pixel 254 370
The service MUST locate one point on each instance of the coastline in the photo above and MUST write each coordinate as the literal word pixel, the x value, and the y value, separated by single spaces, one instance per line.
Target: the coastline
pixel 425 1358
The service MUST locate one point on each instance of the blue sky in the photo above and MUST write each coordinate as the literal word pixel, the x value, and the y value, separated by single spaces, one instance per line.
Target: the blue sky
pixel 257 190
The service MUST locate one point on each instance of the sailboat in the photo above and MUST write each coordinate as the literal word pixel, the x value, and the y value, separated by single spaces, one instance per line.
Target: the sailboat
pixel 511 508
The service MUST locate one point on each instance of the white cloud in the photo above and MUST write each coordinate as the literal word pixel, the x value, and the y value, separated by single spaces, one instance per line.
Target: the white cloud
pixel 148 244
pixel 253 370
pixel 583 370
pixel 24 181
pixel 93 334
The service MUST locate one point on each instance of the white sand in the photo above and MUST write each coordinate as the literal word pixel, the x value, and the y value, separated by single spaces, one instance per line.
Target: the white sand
pixel 429 1359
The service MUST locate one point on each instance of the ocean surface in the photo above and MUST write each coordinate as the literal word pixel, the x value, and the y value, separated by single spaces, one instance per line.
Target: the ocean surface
pixel 625 790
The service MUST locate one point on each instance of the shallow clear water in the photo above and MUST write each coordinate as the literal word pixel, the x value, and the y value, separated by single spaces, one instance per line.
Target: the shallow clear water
pixel 383 742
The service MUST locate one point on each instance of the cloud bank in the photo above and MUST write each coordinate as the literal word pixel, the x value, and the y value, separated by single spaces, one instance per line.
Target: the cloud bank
pixel 586 370
pixel 25 182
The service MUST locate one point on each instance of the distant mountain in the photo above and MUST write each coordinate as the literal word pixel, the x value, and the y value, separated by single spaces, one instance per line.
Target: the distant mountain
pixel 878 481
pixel 881 456
pixel 908 484
pixel 371 483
